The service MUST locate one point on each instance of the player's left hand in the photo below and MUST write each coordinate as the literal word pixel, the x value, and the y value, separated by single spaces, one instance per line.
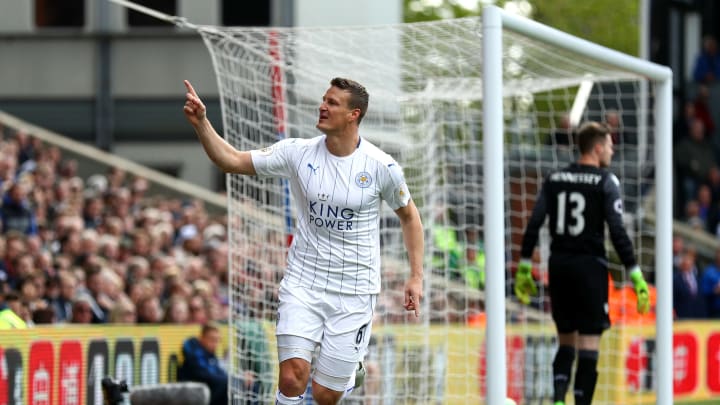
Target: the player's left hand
pixel 413 295
pixel 524 284
pixel 641 291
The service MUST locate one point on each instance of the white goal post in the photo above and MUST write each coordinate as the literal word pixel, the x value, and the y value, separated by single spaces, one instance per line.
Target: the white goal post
pixel 494 21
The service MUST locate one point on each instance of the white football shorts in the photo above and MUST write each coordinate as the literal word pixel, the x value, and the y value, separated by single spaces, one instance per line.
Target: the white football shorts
pixel 340 323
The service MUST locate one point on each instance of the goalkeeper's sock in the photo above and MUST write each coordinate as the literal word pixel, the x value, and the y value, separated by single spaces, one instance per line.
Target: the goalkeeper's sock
pixel 586 376
pixel 281 399
pixel 562 367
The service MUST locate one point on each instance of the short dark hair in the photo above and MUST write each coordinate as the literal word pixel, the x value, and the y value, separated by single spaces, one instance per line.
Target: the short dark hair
pixel 359 96
pixel 209 327
pixel 12 296
pixel 590 134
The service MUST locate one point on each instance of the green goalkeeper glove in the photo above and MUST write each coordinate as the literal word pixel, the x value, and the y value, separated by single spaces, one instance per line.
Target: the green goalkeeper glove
pixel 524 283
pixel 641 290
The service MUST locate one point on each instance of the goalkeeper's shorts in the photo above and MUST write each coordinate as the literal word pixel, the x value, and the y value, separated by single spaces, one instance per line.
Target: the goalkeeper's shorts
pixel 579 293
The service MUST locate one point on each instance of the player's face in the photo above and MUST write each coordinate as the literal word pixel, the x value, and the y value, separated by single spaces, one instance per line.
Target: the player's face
pixel 606 151
pixel 335 113
pixel 210 340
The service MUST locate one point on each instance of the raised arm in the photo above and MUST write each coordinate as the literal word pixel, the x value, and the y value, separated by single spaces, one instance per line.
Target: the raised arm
pixel 227 158
pixel 414 239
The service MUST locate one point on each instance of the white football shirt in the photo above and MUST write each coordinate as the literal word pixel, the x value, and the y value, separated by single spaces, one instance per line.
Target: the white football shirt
pixel 336 246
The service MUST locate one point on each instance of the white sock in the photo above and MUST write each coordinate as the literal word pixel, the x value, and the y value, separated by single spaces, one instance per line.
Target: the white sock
pixel 281 399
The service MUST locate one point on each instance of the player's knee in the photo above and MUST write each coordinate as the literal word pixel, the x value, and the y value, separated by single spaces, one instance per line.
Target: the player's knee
pixel 294 374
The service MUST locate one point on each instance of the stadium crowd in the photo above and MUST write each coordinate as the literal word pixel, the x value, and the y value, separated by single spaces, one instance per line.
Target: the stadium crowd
pixel 99 250
pixel 696 282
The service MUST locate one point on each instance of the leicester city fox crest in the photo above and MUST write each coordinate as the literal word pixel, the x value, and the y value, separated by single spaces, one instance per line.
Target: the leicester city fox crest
pixel 363 180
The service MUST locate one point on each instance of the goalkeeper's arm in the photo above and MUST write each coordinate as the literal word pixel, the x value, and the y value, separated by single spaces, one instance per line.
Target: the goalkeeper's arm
pixel 524 284
pixel 532 231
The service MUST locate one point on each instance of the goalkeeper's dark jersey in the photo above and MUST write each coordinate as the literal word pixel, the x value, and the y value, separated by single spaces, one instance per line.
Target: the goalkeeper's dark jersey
pixel 579 200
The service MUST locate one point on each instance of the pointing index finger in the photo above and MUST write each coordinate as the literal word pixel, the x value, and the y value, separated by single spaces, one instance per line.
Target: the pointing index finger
pixel 190 88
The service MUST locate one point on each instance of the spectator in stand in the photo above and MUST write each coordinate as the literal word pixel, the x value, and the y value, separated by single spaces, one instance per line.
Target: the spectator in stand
pixel 95 294
pixel 713 181
pixel 30 294
pixel 116 178
pixel 707 211
pixel 177 311
pixel 67 168
pixel 11 315
pixel 15 246
pixel 563 134
pixel 25 146
pixel 113 286
pixel 142 243
pixel 710 286
pixel 43 316
pixel 82 310
pixel 8 166
pixel 138 189
pixel 97 185
pixel 118 203
pixel 681 127
pixel 141 290
pixel 194 269
pixel 703 110
pixel 199 313
pixel 92 212
pixel 692 216
pixel 149 310
pixel 688 300
pixel 123 312
pixel 190 242
pixel 138 268
pixel 694 157
pixel 63 302
pixel 202 365
pixel 16 213
pixel 25 266
pixel 109 249
pixel 707 63
pixel 613 120
pixel 75 198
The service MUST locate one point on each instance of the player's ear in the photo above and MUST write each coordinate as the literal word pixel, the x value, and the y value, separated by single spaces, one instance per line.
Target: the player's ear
pixel 599 147
pixel 355 114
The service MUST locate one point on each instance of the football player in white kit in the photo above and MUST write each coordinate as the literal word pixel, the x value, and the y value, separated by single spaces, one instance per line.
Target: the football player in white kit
pixel 328 292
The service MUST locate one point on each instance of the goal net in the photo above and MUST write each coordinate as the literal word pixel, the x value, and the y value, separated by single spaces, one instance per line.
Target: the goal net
pixel 425 85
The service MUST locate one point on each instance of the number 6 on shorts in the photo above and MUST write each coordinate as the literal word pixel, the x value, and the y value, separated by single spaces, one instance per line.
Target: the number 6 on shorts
pixel 361 334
